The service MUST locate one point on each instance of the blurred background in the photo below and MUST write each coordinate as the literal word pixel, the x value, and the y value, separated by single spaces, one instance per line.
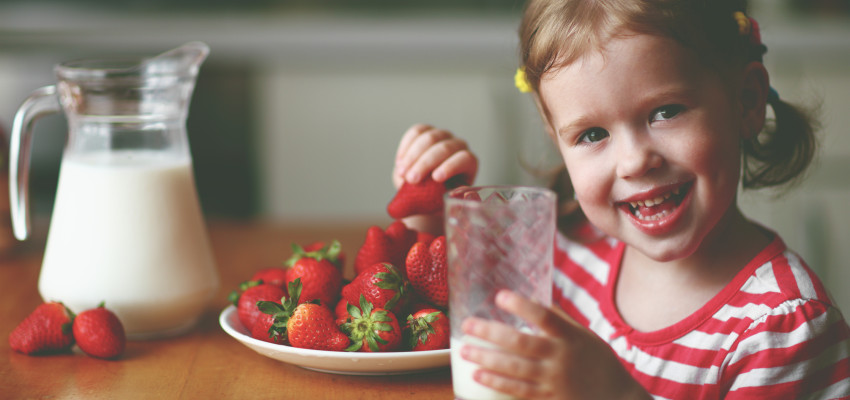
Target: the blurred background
pixel 299 108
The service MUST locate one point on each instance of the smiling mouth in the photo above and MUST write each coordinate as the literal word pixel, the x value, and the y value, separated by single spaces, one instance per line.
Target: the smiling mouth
pixel 660 206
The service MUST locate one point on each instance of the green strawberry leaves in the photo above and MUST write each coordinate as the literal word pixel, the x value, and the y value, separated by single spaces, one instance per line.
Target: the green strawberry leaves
pixel 364 323
pixel 420 328
pixel 281 312
pixel 330 252
pixel 391 280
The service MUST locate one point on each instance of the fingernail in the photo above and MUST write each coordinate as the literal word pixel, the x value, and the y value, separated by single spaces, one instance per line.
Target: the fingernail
pixel 468 326
pixel 503 297
pixel 412 177
pixel 464 352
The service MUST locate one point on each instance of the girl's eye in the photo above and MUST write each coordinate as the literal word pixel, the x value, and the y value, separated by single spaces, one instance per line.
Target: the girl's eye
pixel 666 112
pixel 593 135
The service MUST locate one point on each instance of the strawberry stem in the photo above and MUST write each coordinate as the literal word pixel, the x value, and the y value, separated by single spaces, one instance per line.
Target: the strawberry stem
pixel 330 252
pixel 363 326
pixel 282 311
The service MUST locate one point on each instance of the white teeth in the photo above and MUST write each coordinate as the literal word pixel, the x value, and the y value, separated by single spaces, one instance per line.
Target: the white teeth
pixel 652 217
pixel 653 202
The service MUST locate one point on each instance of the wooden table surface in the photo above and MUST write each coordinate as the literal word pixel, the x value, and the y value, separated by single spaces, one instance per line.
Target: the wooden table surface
pixel 204 363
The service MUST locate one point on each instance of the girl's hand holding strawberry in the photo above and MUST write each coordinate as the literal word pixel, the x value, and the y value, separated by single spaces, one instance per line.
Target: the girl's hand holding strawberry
pixel 425 150
pixel 428 154
pixel 566 361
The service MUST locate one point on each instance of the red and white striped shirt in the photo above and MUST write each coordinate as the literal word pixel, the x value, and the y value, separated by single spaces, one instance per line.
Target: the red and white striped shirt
pixel 771 333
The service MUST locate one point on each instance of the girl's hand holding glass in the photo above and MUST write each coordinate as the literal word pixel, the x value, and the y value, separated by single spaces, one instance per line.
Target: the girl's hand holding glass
pixel 566 361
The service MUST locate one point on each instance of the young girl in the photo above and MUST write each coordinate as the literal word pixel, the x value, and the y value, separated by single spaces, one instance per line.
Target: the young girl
pixel 658 109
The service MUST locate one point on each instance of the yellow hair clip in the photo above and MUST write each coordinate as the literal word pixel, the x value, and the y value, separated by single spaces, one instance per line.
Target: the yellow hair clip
pixel 521 81
pixel 744 23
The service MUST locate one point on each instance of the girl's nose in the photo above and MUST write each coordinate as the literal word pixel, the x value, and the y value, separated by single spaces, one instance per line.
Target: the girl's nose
pixel 636 157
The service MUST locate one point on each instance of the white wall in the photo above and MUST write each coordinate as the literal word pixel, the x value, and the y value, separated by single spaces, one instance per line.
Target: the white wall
pixel 808 61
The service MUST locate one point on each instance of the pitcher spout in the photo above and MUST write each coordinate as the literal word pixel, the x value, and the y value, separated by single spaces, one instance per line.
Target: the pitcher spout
pixel 185 59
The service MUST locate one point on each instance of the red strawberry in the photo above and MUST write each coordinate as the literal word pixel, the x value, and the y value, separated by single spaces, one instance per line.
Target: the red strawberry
pixel 271 275
pixel 317 246
pixel 341 312
pixel 372 329
pixel 382 285
pixel 46 330
pixel 320 278
pixel 305 325
pixel 246 303
pixel 376 248
pixel 425 237
pixel 99 333
pixel 312 326
pixel 401 238
pixel 427 269
pixel 262 330
pixel 425 197
pixel 389 246
pixel 427 329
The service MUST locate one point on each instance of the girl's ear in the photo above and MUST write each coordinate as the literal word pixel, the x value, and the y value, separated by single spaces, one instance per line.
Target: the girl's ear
pixel 754 90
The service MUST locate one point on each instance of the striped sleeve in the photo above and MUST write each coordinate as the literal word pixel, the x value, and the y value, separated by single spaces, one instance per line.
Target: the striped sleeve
pixel 798 350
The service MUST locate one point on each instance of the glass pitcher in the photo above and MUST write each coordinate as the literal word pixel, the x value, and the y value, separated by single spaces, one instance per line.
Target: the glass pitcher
pixel 126 227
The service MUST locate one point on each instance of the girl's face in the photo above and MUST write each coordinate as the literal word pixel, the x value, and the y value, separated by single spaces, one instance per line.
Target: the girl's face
pixel 650 138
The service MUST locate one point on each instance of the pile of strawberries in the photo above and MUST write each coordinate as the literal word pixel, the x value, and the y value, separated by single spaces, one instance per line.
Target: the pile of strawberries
pixel 397 300
pixel 53 328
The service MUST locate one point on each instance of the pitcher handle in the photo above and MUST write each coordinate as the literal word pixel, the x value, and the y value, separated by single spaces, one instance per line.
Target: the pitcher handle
pixel 41 102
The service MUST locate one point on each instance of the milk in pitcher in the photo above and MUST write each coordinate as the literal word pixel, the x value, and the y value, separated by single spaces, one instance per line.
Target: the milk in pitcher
pixel 155 276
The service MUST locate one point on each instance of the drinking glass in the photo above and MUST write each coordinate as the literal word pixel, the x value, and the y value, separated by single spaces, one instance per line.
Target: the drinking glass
pixel 498 237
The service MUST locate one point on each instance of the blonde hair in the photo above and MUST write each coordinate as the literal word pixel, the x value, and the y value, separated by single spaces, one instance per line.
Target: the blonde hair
pixel 555 33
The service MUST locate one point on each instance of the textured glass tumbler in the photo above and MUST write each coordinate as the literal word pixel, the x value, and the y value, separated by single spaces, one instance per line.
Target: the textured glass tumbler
pixel 498 237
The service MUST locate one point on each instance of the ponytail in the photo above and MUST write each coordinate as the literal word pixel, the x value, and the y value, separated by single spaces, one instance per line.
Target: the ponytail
pixel 781 153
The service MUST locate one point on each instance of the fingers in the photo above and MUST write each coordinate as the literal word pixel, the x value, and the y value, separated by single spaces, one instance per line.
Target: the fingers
pixel 502 368
pixel 409 136
pixel 511 386
pixel 502 361
pixel 507 337
pixel 565 361
pixel 549 321
pixel 424 149
pixel 462 162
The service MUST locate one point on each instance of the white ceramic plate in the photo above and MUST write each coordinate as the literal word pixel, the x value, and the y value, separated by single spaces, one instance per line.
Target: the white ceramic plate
pixel 337 362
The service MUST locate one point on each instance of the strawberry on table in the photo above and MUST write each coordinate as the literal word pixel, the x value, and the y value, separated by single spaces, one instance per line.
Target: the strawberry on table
pixel 389 246
pixel 427 329
pixel 427 270
pixel 304 325
pixel 372 329
pixel 320 278
pixel 246 302
pixel 99 333
pixel 48 329
pixel 382 285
